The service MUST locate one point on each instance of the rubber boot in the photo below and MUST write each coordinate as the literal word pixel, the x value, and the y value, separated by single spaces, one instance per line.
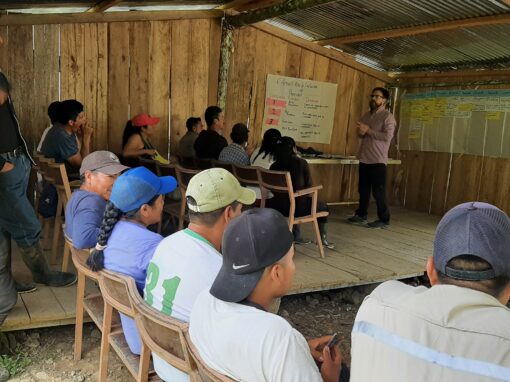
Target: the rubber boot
pixel 22 288
pixel 324 236
pixel 36 261
pixel 296 231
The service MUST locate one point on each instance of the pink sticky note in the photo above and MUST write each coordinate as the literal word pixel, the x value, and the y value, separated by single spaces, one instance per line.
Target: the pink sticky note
pixel 270 101
pixel 280 103
pixel 276 112
pixel 272 121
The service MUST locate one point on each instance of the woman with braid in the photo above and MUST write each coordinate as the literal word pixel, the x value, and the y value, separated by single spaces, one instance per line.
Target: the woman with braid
pixel 124 243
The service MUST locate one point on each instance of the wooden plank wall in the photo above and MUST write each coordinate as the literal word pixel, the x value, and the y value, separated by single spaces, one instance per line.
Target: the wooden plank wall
pixel 257 54
pixel 436 182
pixel 117 70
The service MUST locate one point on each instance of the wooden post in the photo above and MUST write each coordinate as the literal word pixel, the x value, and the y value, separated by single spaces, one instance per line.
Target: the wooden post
pixel 226 49
pixel 283 8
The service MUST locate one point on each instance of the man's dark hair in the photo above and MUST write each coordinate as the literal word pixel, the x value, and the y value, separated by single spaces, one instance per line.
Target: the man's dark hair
pixel 385 92
pixel 207 218
pixel 493 287
pixel 192 122
pixel 212 113
pixel 69 111
pixel 239 133
pixel 53 111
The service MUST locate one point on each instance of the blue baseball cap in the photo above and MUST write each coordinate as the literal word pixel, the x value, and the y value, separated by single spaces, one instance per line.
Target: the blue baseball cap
pixel 138 186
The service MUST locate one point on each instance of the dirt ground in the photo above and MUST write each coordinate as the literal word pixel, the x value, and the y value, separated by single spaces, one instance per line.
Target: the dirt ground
pixel 50 350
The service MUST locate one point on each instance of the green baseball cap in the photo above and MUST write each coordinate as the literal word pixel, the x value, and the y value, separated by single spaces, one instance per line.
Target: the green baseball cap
pixel 216 188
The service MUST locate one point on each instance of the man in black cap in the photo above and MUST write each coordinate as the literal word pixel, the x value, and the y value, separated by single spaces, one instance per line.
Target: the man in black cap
pixel 230 325
pixel 458 330
pixel 17 217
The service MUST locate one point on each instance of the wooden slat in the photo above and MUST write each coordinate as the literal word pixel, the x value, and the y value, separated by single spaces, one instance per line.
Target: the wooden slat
pixel 214 60
pixel 46 70
pixel 139 47
pixel 4 51
pixel 159 80
pixel 199 71
pixel 72 58
pixel 17 318
pixel 43 305
pixel 66 298
pixel 74 18
pixel 118 84
pixel 103 5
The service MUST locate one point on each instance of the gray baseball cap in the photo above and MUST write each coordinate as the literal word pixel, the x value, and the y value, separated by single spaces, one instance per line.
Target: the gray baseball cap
pixel 256 239
pixel 105 162
pixel 478 229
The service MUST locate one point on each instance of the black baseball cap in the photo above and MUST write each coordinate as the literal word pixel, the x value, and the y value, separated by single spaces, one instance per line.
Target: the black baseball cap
pixel 256 239
pixel 477 229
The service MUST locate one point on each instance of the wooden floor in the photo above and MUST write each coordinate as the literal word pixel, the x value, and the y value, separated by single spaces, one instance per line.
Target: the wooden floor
pixel 362 256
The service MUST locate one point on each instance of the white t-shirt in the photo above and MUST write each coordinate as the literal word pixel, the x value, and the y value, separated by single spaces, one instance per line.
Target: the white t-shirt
pixel 249 344
pixel 260 161
pixel 183 265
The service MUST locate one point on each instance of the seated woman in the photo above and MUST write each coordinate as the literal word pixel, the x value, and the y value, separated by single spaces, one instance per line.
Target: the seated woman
pixel 263 156
pixel 287 160
pixel 136 139
pixel 124 243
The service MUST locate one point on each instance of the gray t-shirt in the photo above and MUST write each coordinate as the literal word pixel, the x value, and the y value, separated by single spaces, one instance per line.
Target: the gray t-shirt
pixel 59 144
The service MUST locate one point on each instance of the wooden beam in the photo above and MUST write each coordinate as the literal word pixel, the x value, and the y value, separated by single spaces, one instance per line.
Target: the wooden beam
pixel 75 18
pixel 246 5
pixel 416 30
pixel 285 7
pixel 453 73
pixel 103 5
pixel 451 78
pixel 329 53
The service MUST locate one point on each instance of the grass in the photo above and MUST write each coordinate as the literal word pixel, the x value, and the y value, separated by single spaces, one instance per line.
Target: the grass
pixel 15 363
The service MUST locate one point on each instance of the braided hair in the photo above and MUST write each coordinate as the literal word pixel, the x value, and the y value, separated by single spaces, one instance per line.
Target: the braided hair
pixel 111 216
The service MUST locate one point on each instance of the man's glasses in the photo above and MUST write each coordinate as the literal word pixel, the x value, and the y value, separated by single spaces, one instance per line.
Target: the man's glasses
pixel 376 96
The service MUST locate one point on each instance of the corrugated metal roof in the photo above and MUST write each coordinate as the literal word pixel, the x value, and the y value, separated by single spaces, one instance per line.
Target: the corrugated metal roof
pixel 480 47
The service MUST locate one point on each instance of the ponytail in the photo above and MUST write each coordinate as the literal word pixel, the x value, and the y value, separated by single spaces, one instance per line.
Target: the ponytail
pixel 110 217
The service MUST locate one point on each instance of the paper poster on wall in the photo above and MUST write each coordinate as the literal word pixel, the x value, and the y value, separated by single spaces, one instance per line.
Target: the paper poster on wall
pixel 301 109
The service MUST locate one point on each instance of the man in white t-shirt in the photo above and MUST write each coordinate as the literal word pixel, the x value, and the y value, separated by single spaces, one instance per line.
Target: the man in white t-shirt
pixel 230 324
pixel 187 262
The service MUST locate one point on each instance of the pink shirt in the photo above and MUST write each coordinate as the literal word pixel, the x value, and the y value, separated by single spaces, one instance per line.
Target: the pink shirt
pixel 376 142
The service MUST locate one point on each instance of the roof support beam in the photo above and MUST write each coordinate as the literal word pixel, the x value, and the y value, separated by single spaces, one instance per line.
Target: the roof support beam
pixel 285 7
pixel 103 5
pixel 75 18
pixel 412 31
pixel 246 5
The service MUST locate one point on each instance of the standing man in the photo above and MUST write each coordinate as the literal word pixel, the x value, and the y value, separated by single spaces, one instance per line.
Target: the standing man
pixel 210 142
pixel 17 217
pixel 376 130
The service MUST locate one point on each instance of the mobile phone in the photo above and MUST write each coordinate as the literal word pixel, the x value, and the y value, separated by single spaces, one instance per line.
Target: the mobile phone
pixel 333 341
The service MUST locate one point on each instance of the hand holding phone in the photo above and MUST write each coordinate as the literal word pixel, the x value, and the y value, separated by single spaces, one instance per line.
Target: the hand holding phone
pixel 335 339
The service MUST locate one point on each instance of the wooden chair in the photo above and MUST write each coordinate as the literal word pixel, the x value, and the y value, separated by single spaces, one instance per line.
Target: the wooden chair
pixel 172 207
pixel 250 176
pixel 227 166
pixel 205 373
pixel 160 334
pixel 114 288
pixel 203 163
pixel 280 182
pixel 184 175
pixel 187 162
pixel 149 164
pixel 93 304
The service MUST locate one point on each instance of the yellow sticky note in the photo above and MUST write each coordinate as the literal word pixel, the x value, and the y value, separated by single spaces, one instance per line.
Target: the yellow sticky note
pixel 466 107
pixel 493 115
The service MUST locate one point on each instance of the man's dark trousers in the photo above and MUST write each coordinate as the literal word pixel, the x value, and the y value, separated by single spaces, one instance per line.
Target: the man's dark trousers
pixel 372 179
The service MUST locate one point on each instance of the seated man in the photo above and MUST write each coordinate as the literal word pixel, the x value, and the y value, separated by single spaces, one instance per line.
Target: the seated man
pixel 237 152
pixel 84 211
pixel 194 126
pixel 210 142
pixel 61 140
pixel 187 262
pixel 457 330
pixel 230 325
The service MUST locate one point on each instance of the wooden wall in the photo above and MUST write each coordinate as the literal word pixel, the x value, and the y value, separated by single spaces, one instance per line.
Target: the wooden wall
pixel 117 70
pixel 257 54
pixel 436 182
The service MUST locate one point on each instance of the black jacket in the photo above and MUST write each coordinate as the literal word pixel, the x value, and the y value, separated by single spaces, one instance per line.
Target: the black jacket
pixel 4 85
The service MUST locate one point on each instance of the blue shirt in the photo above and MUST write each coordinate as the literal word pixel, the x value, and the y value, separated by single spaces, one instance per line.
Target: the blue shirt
pixel 129 251
pixel 235 154
pixel 84 214
pixel 59 144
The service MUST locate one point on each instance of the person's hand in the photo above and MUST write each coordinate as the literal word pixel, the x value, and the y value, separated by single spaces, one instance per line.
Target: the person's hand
pixel 316 346
pixel 150 152
pixel 332 364
pixel 7 167
pixel 87 130
pixel 362 128
pixel 3 97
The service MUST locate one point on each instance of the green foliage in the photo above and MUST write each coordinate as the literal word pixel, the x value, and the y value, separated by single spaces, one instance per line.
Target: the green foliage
pixel 15 363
